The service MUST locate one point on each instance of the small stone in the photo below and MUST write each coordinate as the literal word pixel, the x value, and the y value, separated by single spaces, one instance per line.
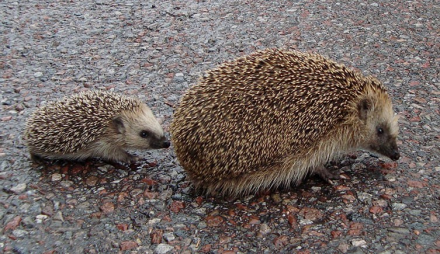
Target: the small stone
pixel 28 222
pixel 397 222
pixel 165 195
pixel 375 209
pixel 107 207
pixel 342 188
pixel 303 222
pixel 154 221
pixel 355 228
pixel 348 198
pixel 150 195
pixel 265 229
pixel 292 221
pixel 105 168
pixel 19 232
pixel 433 218
pixel 214 221
pixel 128 245
pixel 92 180
pixel 276 198
pixel 398 206
pixel 40 218
pixel 281 241
pixel 179 77
pixel 311 213
pixel 47 210
pixel 415 212
pixel 415 184
pixel 136 192
pixel 399 230
pixel 176 206
pixel 365 197
pixel 163 248
pixel 343 247
pixel 223 239
pixel 56 177
pixel 200 211
pixel 390 178
pixel 169 237
pixel 359 243
pixel 336 233
pixel 386 252
pixel 13 224
pixel 58 216
pixel 66 184
pixel 19 188
pixel 6 118
pixel 122 227
pixel 425 239
pixel 19 107
pixel 38 74
pixel 254 220
pixel 156 236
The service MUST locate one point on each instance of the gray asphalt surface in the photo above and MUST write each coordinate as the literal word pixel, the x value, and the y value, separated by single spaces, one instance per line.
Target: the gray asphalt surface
pixel 155 51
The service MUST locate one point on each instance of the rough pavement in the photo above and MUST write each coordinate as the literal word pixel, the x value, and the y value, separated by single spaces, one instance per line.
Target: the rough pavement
pixel 50 49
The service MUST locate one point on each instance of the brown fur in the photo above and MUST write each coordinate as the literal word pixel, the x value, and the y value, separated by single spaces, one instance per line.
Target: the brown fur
pixel 270 118
pixel 92 124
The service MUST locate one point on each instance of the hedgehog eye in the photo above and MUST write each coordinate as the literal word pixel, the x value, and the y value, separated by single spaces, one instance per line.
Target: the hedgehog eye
pixel 379 131
pixel 144 134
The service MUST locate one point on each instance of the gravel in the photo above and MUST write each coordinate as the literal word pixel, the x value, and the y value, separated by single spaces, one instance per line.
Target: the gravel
pixel 155 51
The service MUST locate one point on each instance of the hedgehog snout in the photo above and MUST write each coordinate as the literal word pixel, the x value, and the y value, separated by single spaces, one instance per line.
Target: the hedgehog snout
pixel 166 144
pixel 395 155
pixel 389 150
pixel 162 142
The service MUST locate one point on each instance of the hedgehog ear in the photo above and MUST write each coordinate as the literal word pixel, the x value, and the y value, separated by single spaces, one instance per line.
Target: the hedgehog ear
pixel 364 106
pixel 118 123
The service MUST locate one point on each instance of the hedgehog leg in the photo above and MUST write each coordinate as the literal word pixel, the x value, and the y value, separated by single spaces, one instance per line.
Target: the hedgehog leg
pixel 37 159
pixel 326 175
pixel 120 155
pixel 127 158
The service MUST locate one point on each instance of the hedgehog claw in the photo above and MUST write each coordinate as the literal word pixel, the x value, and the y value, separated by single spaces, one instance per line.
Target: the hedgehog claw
pixel 132 159
pixel 123 157
pixel 326 175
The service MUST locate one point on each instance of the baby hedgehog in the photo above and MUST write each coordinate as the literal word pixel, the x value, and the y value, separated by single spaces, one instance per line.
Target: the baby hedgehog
pixel 271 118
pixel 93 124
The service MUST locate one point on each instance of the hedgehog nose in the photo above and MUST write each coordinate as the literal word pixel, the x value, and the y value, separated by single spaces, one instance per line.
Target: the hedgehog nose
pixel 395 155
pixel 166 144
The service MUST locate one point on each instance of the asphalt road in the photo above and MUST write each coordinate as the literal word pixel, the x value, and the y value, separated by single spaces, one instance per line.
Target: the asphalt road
pixel 155 51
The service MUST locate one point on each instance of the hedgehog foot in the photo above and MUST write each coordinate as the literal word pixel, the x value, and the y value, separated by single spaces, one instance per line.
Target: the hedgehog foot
pixel 129 158
pixel 133 159
pixel 118 156
pixel 37 159
pixel 326 175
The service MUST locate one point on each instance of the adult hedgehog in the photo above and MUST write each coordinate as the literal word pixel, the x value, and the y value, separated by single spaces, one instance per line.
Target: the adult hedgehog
pixel 271 118
pixel 93 124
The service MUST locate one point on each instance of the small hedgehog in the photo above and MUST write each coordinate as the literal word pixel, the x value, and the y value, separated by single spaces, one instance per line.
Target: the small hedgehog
pixel 93 124
pixel 271 118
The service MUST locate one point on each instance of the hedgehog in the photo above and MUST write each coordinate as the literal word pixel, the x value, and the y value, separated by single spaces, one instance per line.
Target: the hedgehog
pixel 93 124
pixel 271 118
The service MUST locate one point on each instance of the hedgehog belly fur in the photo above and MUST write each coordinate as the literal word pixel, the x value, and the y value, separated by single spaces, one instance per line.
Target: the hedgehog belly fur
pixel 291 171
pixel 110 151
